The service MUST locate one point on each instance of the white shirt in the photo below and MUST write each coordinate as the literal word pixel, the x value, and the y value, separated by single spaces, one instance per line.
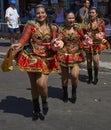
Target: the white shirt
pixel 13 16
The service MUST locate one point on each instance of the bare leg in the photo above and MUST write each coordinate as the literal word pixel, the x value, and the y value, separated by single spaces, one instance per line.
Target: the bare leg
pixel 65 75
pixel 35 95
pixel 74 81
pixel 96 67
pixel 41 81
pixel 89 67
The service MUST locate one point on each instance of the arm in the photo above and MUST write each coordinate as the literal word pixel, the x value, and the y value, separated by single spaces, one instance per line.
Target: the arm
pixel 26 35
pixel 83 13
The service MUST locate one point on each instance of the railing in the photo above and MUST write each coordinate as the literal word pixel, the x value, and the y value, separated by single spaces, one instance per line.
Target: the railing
pixel 4 27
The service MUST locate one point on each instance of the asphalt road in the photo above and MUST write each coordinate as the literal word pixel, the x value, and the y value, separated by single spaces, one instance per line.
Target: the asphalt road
pixel 92 111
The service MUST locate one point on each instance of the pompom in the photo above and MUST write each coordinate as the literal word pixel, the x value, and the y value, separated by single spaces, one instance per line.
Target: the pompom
pixel 57 44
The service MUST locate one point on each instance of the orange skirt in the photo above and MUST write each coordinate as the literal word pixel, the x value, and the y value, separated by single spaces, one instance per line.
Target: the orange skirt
pixel 30 62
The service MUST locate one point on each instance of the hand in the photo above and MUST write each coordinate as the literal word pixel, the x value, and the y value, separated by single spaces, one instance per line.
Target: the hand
pixel 10 24
pixel 17 46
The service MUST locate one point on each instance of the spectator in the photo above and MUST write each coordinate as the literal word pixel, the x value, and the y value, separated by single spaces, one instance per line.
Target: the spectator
pixel 108 30
pixel 59 13
pixel 83 13
pixel 13 21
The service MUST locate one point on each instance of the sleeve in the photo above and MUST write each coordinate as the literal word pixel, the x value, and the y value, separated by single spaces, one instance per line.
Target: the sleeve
pixel 17 14
pixel 81 12
pixel 56 31
pixel 7 13
pixel 103 26
pixel 26 35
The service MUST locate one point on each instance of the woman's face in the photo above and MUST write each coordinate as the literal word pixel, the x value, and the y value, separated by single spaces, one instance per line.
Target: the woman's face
pixel 70 19
pixel 93 14
pixel 41 14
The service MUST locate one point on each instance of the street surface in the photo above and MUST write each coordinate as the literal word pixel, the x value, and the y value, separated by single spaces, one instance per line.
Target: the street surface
pixel 92 111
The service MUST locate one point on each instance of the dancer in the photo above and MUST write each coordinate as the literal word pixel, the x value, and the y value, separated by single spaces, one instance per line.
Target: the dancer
pixel 39 58
pixel 70 56
pixel 95 43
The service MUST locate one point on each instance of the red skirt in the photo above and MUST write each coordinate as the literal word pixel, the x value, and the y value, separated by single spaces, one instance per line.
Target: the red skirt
pixel 31 62
pixel 68 60
pixel 98 48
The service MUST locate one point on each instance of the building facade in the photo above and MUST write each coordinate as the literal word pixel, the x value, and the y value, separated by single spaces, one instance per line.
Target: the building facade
pixel 21 5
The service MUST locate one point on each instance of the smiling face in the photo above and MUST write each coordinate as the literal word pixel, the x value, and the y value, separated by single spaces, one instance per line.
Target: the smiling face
pixel 70 19
pixel 41 14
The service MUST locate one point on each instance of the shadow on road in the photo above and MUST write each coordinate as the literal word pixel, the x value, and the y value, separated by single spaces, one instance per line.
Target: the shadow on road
pixel 55 92
pixel 16 105
pixel 83 78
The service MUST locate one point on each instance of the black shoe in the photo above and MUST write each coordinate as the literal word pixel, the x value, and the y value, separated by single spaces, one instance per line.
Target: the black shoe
pixel 65 98
pixel 45 108
pixel 65 94
pixel 73 99
pixel 95 81
pixel 89 81
pixel 35 115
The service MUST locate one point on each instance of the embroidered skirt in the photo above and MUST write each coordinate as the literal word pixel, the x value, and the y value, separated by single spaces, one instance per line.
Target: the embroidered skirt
pixel 31 62
pixel 68 60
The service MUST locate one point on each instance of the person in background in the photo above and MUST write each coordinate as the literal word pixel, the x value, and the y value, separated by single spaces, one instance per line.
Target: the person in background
pixel 83 13
pixel 31 12
pixel 108 30
pixel 71 55
pixel 94 44
pixel 13 20
pixel 39 59
pixel 59 13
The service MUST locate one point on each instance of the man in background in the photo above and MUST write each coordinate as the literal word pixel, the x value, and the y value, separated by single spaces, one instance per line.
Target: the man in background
pixel 83 13
pixel 13 21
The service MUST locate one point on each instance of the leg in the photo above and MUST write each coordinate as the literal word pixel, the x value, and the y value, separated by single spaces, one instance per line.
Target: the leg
pixel 64 74
pixel 74 81
pixel 96 67
pixel 12 38
pixel 42 83
pixel 35 95
pixel 17 34
pixel 89 67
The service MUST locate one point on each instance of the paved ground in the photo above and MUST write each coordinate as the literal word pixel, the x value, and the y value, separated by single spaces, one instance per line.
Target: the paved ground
pixel 92 110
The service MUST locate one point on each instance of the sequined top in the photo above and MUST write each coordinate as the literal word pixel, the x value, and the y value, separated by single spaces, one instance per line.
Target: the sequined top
pixel 39 40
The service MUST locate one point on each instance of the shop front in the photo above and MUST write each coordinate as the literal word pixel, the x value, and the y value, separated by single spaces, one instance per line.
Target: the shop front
pixel 22 7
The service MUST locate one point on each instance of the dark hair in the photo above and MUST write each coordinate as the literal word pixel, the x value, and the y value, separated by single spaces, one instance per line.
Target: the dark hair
pixel 41 6
pixel 48 22
pixel 67 12
pixel 94 8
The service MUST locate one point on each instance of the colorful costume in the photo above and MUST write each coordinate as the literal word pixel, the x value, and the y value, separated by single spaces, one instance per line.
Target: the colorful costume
pixel 71 53
pixel 97 35
pixel 42 58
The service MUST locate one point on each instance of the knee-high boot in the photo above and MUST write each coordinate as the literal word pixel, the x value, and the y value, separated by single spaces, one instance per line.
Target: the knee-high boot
pixel 90 75
pixel 44 105
pixel 95 75
pixel 36 110
pixel 74 97
pixel 65 94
